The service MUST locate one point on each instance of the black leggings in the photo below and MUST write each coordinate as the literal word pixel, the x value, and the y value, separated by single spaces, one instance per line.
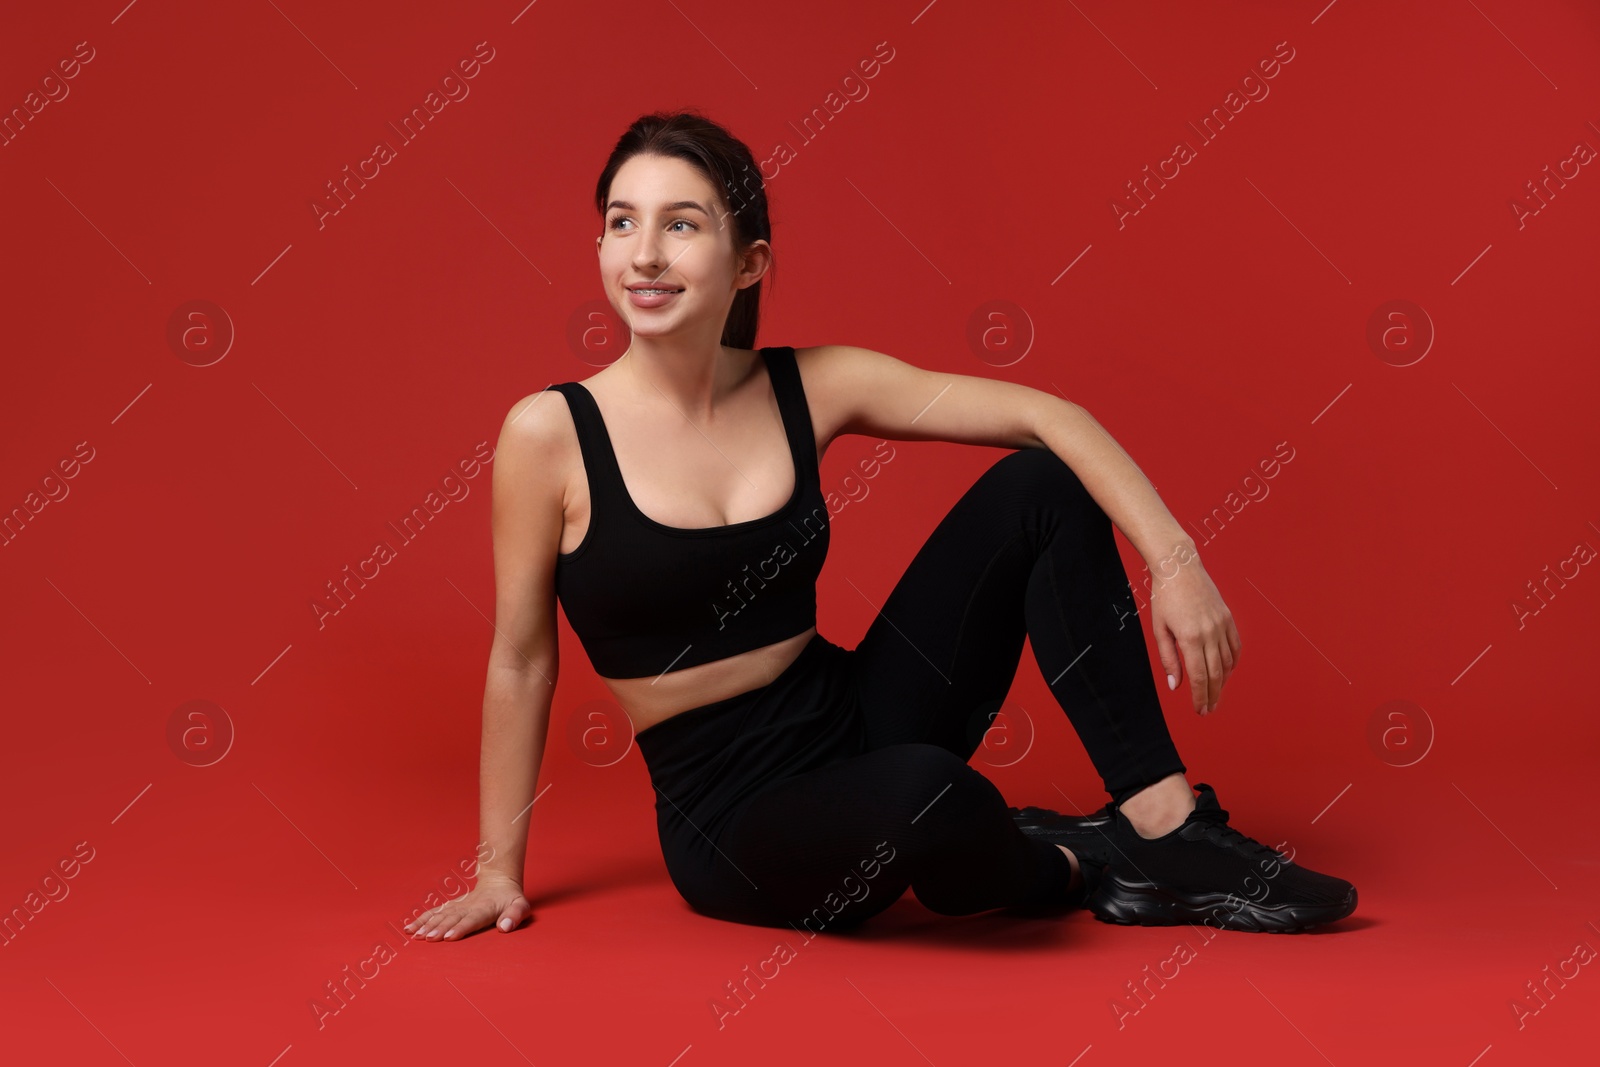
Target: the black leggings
pixel 817 800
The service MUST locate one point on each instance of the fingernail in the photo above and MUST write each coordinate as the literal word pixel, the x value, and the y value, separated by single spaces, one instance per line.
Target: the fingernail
pixel 1172 681
pixel 505 924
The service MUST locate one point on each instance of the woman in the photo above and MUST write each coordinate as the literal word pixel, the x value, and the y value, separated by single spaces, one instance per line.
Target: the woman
pixel 672 503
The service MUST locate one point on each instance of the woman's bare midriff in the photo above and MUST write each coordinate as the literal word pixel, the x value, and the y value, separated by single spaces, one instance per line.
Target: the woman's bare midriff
pixel 651 700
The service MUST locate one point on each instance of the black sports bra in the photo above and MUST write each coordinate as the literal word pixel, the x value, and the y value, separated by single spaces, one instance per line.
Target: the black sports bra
pixel 646 599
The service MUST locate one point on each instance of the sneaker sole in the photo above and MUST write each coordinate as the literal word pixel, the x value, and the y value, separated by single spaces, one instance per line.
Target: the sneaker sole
pixel 1143 904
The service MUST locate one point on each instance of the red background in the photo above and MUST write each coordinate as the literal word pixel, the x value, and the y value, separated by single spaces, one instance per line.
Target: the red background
pixel 373 351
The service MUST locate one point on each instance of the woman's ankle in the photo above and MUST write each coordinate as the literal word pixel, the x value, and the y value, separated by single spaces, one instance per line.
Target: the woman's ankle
pixel 1161 807
pixel 1077 869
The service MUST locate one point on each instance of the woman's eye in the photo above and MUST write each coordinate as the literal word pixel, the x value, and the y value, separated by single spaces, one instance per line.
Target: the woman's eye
pixel 620 219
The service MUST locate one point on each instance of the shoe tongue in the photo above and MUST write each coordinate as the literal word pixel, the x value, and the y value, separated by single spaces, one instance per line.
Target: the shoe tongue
pixel 1206 808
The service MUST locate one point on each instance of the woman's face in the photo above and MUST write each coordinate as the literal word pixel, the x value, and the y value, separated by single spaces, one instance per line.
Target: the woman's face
pixel 665 228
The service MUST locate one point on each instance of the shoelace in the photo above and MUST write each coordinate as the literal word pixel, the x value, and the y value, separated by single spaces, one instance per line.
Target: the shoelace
pixel 1218 832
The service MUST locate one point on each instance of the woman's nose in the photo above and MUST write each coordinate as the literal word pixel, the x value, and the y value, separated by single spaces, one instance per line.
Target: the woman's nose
pixel 646 261
pixel 647 252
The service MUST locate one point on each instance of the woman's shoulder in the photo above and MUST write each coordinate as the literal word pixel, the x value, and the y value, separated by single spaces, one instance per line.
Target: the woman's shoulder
pixel 843 357
pixel 540 433
pixel 825 360
pixel 830 369
pixel 548 412
pixel 831 377
pixel 538 417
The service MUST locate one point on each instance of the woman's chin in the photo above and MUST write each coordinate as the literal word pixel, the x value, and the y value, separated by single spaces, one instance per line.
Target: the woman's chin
pixel 654 328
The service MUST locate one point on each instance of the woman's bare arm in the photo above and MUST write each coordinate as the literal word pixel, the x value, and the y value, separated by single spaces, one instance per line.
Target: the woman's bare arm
pixel 872 393
pixel 528 493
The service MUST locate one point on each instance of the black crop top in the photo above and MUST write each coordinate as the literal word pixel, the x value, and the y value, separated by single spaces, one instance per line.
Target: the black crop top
pixel 646 599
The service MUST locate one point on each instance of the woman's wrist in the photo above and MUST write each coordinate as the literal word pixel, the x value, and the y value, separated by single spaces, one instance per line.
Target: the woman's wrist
pixel 1175 554
pixel 488 872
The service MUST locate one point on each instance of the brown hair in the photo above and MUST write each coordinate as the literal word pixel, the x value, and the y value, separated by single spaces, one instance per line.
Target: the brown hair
pixel 728 165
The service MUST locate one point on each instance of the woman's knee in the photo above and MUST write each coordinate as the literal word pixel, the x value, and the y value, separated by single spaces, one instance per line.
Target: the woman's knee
pixel 921 762
pixel 1041 474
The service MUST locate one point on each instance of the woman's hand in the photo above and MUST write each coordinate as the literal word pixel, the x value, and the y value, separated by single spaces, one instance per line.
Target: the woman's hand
pixel 496 899
pixel 1187 614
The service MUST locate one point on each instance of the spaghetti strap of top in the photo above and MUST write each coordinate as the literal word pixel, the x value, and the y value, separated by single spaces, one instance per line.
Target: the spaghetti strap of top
pixel 599 459
pixel 791 394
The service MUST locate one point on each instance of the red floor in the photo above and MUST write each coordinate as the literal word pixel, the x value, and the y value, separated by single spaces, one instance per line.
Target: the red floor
pixel 207 927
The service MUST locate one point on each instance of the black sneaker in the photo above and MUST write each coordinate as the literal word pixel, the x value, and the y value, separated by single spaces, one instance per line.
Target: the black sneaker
pixel 1205 871
pixel 1085 835
pixel 1088 836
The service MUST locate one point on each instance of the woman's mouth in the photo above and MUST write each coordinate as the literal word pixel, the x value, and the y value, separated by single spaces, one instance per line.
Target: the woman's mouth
pixel 650 298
